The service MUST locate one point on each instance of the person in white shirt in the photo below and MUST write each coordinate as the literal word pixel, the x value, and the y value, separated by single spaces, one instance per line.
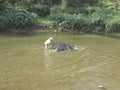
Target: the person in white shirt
pixel 48 41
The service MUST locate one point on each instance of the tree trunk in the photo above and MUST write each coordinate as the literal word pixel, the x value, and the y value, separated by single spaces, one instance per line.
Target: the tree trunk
pixel 117 3
pixel 64 4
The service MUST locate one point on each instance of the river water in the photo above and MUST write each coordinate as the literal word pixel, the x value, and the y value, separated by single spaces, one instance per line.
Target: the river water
pixel 26 65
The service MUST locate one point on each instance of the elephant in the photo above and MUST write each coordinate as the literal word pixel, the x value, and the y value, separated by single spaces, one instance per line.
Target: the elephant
pixel 61 47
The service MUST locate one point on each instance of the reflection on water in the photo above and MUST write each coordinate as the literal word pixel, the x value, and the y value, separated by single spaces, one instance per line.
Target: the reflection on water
pixel 47 60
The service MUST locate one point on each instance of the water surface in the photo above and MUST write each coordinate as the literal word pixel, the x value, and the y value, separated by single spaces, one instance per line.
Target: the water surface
pixel 26 65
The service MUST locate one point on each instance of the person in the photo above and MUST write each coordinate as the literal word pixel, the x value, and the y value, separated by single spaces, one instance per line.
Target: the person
pixel 48 41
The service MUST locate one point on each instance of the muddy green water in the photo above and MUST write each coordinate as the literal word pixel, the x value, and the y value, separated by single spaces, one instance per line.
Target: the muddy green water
pixel 26 65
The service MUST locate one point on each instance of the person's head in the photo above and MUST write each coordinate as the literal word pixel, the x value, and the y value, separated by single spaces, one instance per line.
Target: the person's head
pixel 51 38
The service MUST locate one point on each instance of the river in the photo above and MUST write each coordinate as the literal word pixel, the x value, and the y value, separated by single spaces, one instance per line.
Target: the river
pixel 26 65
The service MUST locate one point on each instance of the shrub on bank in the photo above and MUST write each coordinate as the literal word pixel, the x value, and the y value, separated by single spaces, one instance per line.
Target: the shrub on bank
pixel 2 23
pixel 56 9
pixel 113 26
pixel 78 23
pixel 105 20
pixel 17 19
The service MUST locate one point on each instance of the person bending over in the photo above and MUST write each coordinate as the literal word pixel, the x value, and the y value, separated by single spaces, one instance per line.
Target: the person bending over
pixel 47 42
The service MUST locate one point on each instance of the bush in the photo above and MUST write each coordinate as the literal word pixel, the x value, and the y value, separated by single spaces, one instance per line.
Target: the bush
pixel 113 26
pixel 56 9
pixel 70 10
pixel 101 21
pixel 112 20
pixel 2 23
pixel 18 18
pixel 42 11
pixel 79 23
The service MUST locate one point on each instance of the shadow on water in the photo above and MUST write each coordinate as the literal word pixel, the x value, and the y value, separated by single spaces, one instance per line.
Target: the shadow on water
pixel 103 88
pixel 25 33
pixel 111 35
pixel 114 36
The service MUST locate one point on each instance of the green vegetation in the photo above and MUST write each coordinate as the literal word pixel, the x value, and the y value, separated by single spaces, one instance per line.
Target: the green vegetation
pixel 72 15
pixel 42 11
pixel 105 20
pixel 18 18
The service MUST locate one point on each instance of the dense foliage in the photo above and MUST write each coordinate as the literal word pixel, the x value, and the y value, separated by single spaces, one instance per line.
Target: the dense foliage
pixel 42 11
pixel 16 19
pixel 106 20
pixel 86 16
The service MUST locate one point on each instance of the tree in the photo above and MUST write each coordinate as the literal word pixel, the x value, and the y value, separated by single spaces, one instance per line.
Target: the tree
pixel 64 3
pixel 117 3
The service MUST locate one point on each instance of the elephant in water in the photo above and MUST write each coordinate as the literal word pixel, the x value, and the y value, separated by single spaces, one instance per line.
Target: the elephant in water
pixel 61 47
